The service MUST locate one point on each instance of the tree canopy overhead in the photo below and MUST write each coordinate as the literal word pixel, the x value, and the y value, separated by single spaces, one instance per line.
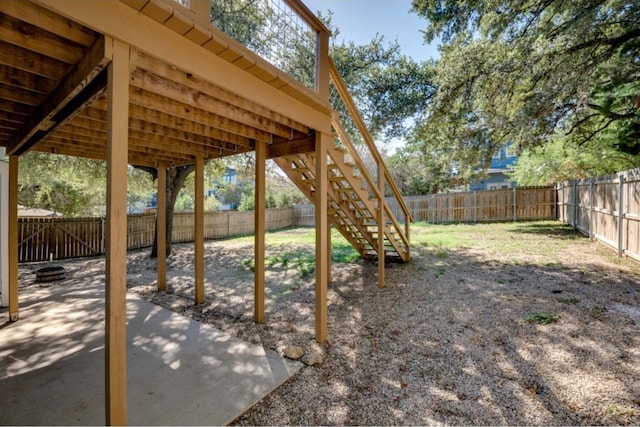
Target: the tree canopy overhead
pixel 535 71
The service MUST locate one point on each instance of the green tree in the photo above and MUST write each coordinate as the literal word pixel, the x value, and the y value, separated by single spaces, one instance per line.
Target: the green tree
pixel 247 200
pixel 68 185
pixel 535 71
pixel 390 89
pixel 561 160
pixel 416 172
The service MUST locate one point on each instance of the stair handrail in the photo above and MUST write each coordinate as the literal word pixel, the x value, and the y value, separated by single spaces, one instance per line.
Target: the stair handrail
pixel 344 137
pixel 355 114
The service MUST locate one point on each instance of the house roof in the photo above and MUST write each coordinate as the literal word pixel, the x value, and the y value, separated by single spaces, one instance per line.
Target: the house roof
pixel 25 211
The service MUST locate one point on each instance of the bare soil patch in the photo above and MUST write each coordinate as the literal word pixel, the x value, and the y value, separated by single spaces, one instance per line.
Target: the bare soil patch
pixel 452 339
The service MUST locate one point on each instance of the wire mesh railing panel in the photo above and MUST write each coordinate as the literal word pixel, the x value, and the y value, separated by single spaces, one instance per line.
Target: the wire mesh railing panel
pixel 273 30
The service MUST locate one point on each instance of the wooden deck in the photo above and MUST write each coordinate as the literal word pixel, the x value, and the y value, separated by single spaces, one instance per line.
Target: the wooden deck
pixel 54 80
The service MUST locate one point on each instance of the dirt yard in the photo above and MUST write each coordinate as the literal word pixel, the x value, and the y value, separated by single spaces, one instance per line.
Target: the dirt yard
pixel 525 324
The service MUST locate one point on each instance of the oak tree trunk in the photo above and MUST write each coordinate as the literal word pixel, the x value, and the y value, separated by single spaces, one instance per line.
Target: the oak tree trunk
pixel 175 181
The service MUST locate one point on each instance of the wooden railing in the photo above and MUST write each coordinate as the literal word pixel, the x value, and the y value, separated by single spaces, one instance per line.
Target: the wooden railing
pixel 285 33
pixel 382 173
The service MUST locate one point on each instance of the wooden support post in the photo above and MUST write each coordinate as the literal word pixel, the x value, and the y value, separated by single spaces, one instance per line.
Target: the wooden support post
pixel 199 230
pixel 161 228
pixel 13 238
pixel 381 227
pixel 329 261
pixel 322 205
pixel 407 227
pixel 260 227
pixel 116 250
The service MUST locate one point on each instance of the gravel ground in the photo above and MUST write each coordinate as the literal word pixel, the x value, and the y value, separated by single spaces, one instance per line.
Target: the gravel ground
pixel 447 341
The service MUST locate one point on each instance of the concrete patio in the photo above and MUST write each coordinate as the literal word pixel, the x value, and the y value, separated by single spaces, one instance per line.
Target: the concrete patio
pixel 180 372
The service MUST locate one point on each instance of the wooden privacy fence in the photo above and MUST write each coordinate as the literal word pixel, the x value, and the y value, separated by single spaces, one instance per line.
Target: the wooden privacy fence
pixel 605 208
pixel 520 204
pixel 43 239
pixel 516 204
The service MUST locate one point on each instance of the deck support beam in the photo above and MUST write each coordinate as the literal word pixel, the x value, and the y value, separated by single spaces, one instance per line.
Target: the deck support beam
pixel 116 256
pixel 260 227
pixel 76 89
pixel 322 224
pixel 161 228
pixel 198 237
pixel 13 238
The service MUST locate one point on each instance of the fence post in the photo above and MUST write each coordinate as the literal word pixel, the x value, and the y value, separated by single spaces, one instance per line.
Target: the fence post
pixel 575 205
pixel 620 214
pixel 591 209
pixel 475 206
pixel 515 214
pixel 555 201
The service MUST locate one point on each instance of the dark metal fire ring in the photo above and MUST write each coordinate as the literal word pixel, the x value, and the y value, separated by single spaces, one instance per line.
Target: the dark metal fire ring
pixel 51 274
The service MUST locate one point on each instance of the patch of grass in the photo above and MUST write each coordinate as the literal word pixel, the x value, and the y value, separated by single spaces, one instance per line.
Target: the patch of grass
pixel 249 263
pixel 596 311
pixel 303 263
pixel 570 300
pixel 440 237
pixel 342 251
pixel 504 238
pixel 542 318
pixel 301 259
pixel 439 272
pixel 619 411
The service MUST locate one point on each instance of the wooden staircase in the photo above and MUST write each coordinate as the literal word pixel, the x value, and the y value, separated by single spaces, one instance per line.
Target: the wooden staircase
pixel 356 199
pixel 353 206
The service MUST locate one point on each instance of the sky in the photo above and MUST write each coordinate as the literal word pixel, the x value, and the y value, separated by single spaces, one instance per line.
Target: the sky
pixel 360 20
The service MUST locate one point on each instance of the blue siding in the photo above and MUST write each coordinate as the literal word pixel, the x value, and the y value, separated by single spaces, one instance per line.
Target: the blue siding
pixel 500 163
pixel 495 180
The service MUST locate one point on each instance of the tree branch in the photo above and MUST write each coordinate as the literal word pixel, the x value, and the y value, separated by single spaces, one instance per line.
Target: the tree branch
pixel 612 42
pixel 612 114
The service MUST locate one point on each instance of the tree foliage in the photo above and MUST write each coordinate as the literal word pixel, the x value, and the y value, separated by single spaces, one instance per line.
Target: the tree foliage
pixel 562 160
pixel 390 89
pixel 68 185
pixel 535 71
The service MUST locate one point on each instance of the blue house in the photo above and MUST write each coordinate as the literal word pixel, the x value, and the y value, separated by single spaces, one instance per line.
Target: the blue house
pixel 500 163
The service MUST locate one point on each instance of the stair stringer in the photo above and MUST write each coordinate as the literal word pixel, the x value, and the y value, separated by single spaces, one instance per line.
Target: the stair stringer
pixel 352 211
